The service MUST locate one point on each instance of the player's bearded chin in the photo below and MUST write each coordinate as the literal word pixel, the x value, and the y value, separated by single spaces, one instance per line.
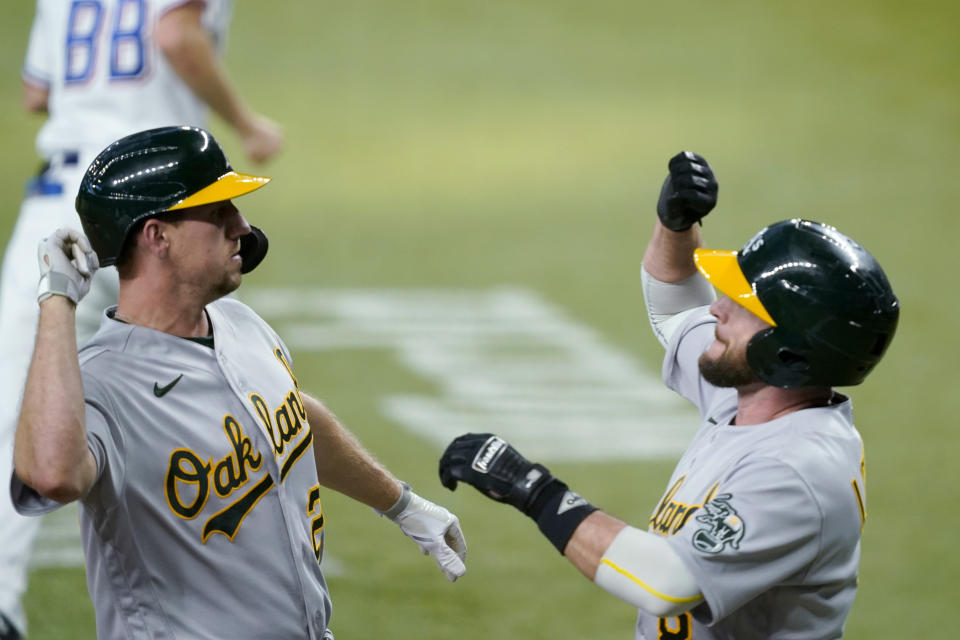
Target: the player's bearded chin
pixel 729 370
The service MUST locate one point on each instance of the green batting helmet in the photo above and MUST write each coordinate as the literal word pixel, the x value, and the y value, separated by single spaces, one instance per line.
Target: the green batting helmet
pixel 831 307
pixel 154 172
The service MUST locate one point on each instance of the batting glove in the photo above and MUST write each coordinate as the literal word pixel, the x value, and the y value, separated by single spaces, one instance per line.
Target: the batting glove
pixel 491 465
pixel 435 530
pixel 67 264
pixel 689 192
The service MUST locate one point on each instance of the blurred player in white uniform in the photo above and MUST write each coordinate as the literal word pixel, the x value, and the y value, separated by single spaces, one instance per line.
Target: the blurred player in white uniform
pixel 757 536
pixel 100 69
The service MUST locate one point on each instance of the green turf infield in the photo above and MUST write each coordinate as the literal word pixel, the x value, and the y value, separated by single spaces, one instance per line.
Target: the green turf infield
pixel 466 145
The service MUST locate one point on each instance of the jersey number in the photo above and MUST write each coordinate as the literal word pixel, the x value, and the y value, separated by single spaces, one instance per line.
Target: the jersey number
pixel 127 51
pixel 315 509
pixel 677 628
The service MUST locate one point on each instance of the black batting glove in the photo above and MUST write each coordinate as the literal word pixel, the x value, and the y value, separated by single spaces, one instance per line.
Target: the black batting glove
pixel 689 192
pixel 498 471
pixel 495 468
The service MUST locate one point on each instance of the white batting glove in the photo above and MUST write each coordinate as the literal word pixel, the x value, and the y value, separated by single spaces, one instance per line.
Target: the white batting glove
pixel 435 530
pixel 67 263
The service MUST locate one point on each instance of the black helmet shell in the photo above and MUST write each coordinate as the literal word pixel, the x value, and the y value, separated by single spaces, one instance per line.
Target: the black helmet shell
pixel 149 173
pixel 833 309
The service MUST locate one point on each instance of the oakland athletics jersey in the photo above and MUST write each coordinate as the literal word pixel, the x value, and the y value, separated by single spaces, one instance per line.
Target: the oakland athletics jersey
pixel 105 74
pixel 205 520
pixel 767 517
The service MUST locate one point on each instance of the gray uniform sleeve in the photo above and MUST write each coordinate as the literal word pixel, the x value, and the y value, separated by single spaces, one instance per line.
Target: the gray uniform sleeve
pixel 28 502
pixel 106 442
pixel 681 371
pixel 761 527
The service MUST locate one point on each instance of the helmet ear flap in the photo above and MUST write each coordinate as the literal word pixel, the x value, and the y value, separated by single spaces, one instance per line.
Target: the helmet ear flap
pixel 253 249
pixel 775 363
pixel 792 360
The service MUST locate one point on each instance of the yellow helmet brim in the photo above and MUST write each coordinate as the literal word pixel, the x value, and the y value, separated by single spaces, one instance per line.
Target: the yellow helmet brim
pixel 229 185
pixel 723 271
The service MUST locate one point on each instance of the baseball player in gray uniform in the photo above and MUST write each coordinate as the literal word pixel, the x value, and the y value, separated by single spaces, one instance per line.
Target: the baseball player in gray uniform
pixel 197 457
pixel 758 532
pixel 99 70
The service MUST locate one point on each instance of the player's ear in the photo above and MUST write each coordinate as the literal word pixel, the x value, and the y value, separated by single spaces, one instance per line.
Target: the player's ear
pixel 154 237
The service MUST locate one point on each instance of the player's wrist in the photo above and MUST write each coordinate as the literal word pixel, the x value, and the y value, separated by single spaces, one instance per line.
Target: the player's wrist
pixel 53 283
pixel 50 299
pixel 406 494
pixel 558 512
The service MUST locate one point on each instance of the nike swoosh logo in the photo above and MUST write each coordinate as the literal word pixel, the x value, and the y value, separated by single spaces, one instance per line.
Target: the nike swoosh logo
pixel 162 391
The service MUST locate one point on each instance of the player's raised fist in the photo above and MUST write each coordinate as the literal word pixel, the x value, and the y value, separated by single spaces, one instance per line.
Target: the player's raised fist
pixel 688 193
pixel 67 264
pixel 495 468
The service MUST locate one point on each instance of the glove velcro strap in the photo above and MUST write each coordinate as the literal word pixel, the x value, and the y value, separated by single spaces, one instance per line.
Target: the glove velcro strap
pixel 54 283
pixel 558 512
pixel 399 505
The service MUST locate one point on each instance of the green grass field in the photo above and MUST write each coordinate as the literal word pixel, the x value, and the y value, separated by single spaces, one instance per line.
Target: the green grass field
pixel 473 145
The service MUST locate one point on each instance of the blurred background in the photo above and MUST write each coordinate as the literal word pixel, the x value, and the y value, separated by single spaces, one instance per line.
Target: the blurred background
pixel 467 149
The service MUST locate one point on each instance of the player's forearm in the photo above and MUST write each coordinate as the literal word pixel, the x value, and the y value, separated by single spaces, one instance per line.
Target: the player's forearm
pixel 35 98
pixel 589 541
pixel 669 254
pixel 636 566
pixel 671 284
pixel 50 451
pixel 344 465
pixel 633 565
pixel 191 53
pixel 689 192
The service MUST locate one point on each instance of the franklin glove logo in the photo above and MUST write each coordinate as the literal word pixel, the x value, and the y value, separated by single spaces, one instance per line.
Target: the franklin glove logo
pixel 488 454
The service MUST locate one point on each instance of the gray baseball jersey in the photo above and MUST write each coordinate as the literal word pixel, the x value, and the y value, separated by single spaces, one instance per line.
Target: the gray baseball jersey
pixel 205 520
pixel 767 517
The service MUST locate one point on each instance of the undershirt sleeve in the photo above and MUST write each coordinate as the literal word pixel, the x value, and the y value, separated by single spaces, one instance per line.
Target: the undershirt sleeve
pixel 669 303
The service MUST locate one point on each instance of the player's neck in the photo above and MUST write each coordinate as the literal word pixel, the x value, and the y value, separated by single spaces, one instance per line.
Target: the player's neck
pixel 162 310
pixel 761 403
